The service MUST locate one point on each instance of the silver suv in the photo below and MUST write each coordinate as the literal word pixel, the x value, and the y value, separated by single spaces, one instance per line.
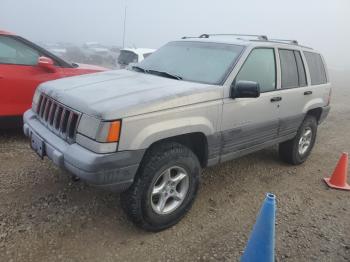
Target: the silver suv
pixel 148 131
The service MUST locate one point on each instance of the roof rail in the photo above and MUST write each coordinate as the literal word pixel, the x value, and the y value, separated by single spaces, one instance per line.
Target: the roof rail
pixel 187 37
pixel 259 37
pixel 294 42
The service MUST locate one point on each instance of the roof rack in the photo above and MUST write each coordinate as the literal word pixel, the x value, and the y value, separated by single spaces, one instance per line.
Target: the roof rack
pixel 291 42
pixel 294 42
pixel 259 37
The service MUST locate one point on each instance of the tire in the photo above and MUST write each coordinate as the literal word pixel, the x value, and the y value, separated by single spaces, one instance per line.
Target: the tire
pixel 142 206
pixel 289 150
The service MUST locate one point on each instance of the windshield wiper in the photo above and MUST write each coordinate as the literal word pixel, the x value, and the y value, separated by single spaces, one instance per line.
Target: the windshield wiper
pixel 162 73
pixel 156 72
pixel 139 68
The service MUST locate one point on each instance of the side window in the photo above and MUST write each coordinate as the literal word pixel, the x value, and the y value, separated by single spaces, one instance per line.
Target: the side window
pixel 301 69
pixel 260 67
pixel 316 68
pixel 289 70
pixel 13 51
pixel 126 57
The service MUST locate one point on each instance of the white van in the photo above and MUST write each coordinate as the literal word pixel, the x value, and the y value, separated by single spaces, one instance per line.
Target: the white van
pixel 133 55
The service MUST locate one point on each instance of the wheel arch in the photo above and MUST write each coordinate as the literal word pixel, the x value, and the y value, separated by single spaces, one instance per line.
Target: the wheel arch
pixel 315 112
pixel 197 142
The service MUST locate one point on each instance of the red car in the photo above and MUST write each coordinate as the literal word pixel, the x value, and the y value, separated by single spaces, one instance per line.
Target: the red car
pixel 23 66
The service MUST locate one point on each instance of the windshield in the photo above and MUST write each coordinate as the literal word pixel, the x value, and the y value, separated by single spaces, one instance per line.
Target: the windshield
pixel 127 57
pixel 194 61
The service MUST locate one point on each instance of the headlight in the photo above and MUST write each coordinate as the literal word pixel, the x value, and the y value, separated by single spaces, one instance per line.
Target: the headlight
pixel 36 99
pixel 36 96
pixel 109 132
pixel 97 135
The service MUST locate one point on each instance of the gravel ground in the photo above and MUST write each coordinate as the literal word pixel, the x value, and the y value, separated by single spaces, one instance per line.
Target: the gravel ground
pixel 44 216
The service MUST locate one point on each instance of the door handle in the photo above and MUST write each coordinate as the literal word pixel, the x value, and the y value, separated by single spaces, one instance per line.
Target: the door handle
pixel 307 93
pixel 276 99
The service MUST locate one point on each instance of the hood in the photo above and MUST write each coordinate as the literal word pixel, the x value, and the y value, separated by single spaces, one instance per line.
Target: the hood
pixel 122 93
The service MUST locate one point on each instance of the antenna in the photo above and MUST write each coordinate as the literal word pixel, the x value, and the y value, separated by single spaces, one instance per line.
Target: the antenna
pixel 124 26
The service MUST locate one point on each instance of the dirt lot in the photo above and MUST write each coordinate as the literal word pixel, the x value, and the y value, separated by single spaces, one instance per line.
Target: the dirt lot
pixel 46 217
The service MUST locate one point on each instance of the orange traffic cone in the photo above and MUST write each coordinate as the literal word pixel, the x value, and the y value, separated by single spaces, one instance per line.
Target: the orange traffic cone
pixel 338 178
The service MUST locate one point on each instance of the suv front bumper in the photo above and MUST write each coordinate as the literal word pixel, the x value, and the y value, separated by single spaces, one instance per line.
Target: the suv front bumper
pixel 112 171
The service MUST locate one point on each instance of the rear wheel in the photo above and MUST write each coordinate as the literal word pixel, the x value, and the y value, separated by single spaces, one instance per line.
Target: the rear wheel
pixel 296 150
pixel 164 187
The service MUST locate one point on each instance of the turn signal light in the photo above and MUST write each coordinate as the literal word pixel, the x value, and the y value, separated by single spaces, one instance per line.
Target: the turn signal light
pixel 114 131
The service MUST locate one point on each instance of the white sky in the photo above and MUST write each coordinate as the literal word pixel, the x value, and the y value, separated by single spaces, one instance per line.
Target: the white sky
pixel 322 24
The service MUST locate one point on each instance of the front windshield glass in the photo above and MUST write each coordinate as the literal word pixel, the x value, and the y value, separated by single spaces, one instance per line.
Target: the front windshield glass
pixel 194 61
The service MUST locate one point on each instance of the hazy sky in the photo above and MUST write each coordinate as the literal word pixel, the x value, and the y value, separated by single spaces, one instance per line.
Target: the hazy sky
pixel 322 24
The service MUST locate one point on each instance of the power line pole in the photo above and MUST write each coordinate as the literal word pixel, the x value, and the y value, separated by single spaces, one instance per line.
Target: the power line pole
pixel 124 26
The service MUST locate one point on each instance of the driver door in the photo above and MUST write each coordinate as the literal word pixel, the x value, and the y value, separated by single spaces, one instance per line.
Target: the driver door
pixel 19 75
pixel 250 124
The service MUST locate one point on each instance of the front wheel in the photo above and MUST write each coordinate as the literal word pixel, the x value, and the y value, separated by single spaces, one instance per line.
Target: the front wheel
pixel 164 187
pixel 296 150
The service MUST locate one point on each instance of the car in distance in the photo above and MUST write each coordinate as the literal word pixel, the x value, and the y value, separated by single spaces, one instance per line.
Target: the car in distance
pixel 148 131
pixel 133 55
pixel 23 66
pixel 96 53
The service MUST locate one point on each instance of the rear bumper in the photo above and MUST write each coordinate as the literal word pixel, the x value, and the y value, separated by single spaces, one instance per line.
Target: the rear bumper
pixel 113 171
pixel 324 114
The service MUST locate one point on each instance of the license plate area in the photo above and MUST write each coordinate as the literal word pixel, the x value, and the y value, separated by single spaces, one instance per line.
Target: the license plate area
pixel 37 144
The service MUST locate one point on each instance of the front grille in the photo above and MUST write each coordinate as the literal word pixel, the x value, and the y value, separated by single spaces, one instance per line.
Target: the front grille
pixel 61 119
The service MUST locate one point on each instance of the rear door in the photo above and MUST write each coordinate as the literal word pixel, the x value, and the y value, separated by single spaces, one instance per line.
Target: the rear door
pixel 249 124
pixel 300 91
pixel 319 83
pixel 19 75
pixel 295 92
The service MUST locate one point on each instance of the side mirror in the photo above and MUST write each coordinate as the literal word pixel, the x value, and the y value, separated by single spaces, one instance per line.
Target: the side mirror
pixel 47 64
pixel 245 89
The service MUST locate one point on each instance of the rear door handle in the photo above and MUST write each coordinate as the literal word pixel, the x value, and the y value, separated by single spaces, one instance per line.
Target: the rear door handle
pixel 307 93
pixel 276 99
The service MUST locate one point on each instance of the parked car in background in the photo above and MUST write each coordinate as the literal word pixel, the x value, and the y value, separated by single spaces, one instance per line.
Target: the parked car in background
pixel 133 55
pixel 98 53
pixel 148 131
pixel 95 47
pixel 23 66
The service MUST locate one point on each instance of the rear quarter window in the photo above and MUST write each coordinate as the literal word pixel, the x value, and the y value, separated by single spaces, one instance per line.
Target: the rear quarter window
pixel 126 57
pixel 316 68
